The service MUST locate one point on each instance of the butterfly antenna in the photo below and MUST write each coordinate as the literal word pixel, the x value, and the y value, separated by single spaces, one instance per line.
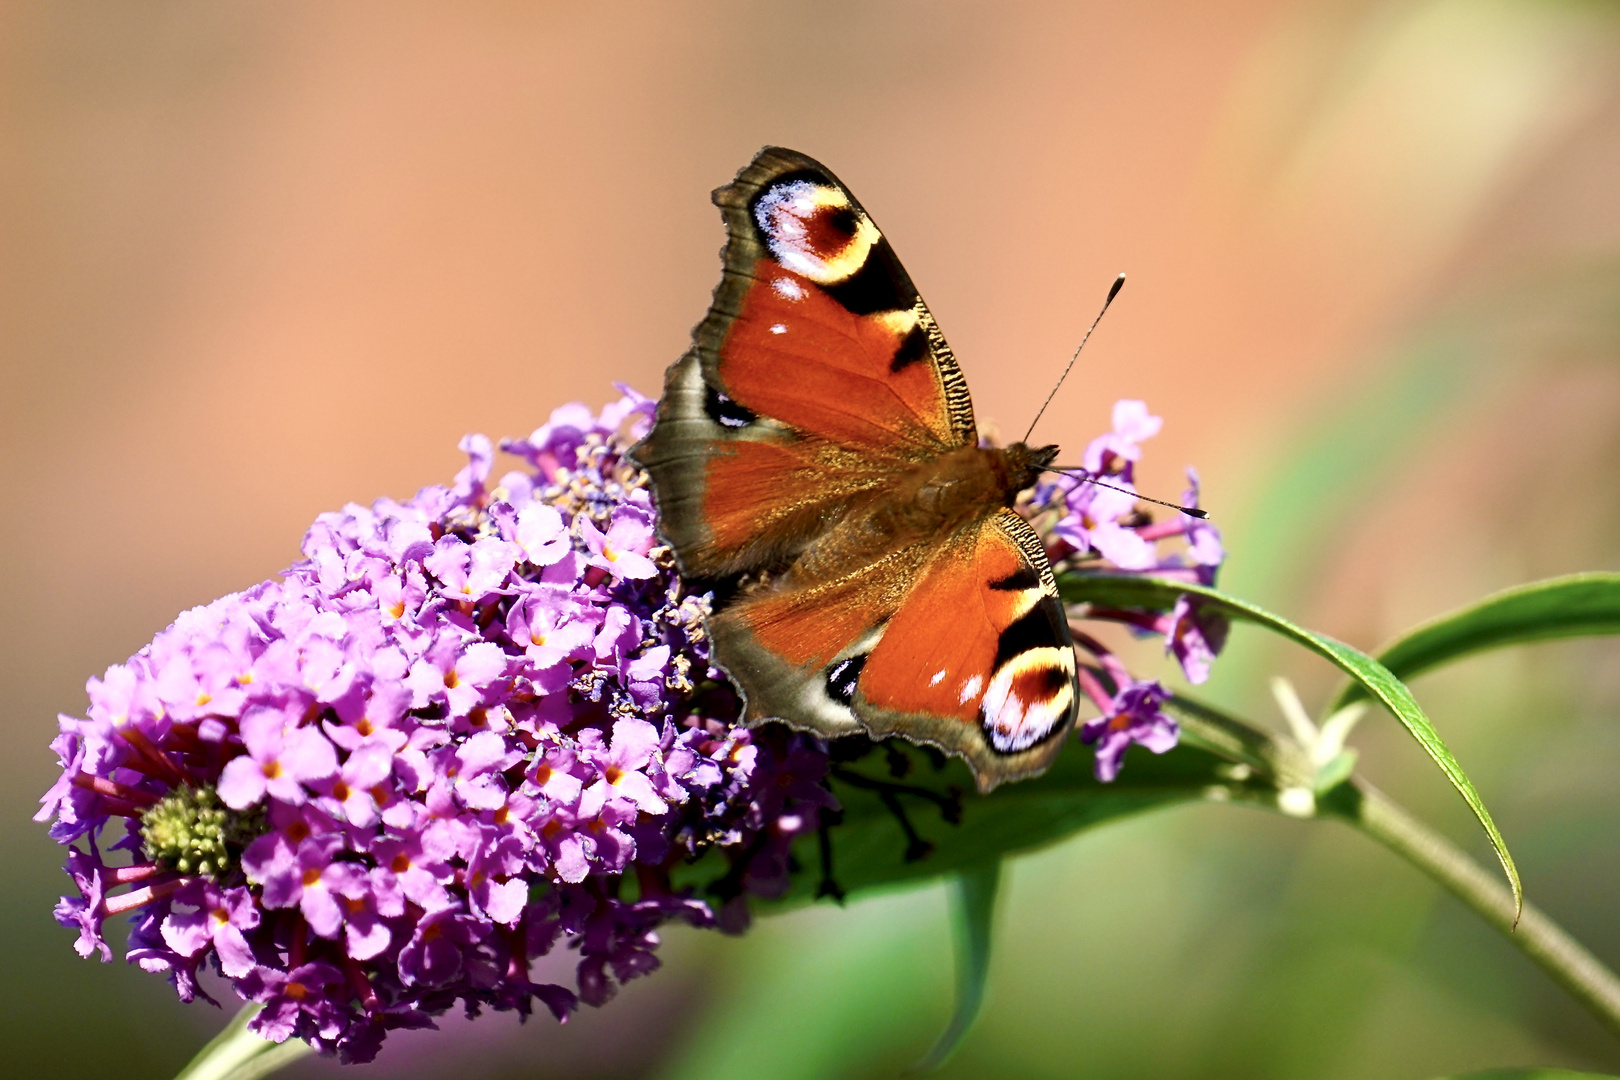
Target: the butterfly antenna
pixel 1113 291
pixel 1084 477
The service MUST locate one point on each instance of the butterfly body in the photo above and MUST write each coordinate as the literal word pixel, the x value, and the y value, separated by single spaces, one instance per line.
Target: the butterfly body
pixel 815 456
pixel 938 497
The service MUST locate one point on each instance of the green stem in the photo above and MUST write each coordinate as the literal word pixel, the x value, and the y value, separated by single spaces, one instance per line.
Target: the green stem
pixel 238 1054
pixel 1537 936
pixel 1358 803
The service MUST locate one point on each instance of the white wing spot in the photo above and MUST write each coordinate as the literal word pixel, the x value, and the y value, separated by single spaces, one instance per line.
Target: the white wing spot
pixel 939 677
pixel 779 328
pixel 970 689
pixel 787 288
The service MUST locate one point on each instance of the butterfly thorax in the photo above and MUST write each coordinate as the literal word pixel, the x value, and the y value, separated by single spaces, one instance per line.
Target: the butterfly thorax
pixel 1024 465
pixel 967 483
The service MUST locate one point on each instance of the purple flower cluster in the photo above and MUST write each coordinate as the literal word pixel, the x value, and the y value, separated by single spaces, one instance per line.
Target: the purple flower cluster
pixel 1094 527
pixel 464 728
pixel 481 723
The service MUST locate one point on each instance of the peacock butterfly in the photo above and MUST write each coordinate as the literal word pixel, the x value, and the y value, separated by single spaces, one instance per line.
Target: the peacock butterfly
pixel 815 459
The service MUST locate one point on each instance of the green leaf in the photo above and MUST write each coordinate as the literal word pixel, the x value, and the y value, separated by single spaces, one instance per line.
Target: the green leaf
pixel 973 909
pixel 1579 605
pixel 870 847
pixel 1220 759
pixel 1136 591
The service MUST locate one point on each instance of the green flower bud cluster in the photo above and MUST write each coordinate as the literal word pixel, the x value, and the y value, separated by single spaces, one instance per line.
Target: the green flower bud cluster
pixel 189 830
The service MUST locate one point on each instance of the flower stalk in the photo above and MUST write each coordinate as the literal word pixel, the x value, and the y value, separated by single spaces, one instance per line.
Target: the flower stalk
pixel 236 1053
pixel 1569 963
pixel 1289 768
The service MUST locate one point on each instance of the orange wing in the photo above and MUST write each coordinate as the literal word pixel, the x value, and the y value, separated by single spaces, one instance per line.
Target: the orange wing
pixel 797 651
pixel 817 376
pixel 961 643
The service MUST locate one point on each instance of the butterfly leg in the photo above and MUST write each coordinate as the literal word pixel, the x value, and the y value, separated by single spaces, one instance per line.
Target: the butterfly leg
pixel 826 819
pixel 916 847
pixel 949 804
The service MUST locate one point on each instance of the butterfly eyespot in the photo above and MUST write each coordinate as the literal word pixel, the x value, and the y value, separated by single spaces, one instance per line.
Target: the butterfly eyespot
pixel 813 230
pixel 842 677
pixel 1028 699
pixel 1035 628
pixel 832 227
pixel 725 412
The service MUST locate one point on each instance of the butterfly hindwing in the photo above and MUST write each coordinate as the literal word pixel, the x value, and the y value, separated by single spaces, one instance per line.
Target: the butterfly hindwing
pixel 978 660
pixel 816 372
pixel 962 644
pixel 798 651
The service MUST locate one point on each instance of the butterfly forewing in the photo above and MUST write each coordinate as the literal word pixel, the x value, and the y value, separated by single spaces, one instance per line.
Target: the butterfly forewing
pixel 817 325
pixel 817 372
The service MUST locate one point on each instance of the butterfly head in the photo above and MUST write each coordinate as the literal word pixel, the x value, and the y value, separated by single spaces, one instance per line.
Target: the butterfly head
pixel 1026 463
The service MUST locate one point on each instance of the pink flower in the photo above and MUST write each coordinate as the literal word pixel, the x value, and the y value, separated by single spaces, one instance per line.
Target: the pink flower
pixel 622 551
pixel 623 766
pixel 279 760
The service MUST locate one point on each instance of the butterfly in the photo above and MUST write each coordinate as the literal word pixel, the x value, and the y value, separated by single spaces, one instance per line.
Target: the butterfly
pixel 815 459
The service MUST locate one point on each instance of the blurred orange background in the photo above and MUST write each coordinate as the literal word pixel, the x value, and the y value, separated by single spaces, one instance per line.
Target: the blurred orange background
pixel 260 260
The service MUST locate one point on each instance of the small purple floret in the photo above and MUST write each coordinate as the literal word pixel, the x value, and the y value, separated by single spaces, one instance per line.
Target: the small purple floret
pixel 1099 529
pixel 1134 715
